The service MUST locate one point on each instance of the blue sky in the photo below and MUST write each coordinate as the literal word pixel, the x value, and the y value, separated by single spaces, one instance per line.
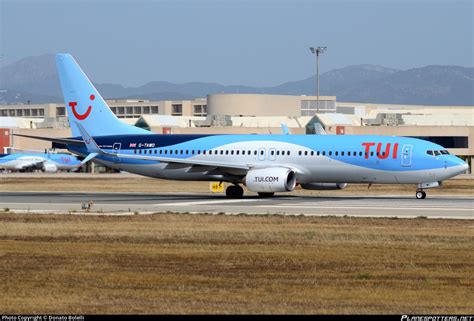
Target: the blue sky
pixel 257 42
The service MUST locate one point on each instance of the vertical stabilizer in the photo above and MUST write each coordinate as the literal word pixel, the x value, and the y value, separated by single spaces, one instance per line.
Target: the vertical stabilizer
pixel 85 105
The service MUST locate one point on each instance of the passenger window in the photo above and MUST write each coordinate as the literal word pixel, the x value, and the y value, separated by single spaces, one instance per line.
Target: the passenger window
pixel 288 153
pixel 312 153
pixel 222 152
pixel 337 153
pixel 278 152
pixel 324 153
pixel 232 152
pixel 299 153
pixel 371 153
pixel 134 151
pixel 330 153
pixel 255 152
pixel 262 152
pixel 237 152
pixel 199 151
pixel 305 153
pixel 204 152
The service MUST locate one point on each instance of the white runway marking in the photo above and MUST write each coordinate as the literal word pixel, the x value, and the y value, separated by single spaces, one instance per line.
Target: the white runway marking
pixel 366 207
pixel 179 203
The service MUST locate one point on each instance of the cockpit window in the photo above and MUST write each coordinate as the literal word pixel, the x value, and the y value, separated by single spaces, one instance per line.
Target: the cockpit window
pixel 437 152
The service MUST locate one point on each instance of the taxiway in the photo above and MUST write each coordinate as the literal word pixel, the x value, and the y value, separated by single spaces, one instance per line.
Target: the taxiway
pixel 434 206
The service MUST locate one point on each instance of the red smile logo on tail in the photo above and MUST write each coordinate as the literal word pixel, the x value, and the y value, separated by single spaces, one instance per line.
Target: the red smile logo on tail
pixel 73 105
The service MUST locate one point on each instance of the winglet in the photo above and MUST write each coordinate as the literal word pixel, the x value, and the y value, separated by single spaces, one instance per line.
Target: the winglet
pixel 91 145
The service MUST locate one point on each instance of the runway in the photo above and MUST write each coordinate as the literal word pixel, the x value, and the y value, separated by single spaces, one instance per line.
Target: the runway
pixel 454 207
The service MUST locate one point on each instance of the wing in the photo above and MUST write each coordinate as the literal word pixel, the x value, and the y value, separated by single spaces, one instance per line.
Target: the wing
pixel 55 140
pixel 29 164
pixel 95 150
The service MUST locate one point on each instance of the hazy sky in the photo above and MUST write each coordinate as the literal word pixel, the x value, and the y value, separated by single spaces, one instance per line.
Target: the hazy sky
pixel 236 42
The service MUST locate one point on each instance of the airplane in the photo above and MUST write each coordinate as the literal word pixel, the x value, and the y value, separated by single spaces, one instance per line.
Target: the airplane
pixel 266 164
pixel 46 162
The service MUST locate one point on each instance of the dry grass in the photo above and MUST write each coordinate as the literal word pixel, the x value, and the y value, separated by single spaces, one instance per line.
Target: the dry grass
pixel 119 183
pixel 168 263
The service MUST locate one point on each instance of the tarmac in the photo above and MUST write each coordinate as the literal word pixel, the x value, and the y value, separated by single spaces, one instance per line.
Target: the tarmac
pixel 392 206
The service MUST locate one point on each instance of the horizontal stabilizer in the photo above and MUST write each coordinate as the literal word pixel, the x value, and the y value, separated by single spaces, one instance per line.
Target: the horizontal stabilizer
pixel 89 157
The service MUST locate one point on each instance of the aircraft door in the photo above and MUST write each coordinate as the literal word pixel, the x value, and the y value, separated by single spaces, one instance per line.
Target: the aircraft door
pixel 116 147
pixel 406 155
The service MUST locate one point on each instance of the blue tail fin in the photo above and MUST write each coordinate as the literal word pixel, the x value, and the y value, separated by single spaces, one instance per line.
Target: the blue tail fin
pixel 85 105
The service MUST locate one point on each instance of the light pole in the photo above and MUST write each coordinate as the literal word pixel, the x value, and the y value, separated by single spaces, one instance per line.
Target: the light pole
pixel 318 51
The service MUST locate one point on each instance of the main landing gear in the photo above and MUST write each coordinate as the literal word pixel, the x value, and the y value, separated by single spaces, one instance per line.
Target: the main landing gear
pixel 420 194
pixel 234 191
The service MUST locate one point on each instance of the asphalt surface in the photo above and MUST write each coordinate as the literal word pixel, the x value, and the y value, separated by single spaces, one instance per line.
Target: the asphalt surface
pixel 434 206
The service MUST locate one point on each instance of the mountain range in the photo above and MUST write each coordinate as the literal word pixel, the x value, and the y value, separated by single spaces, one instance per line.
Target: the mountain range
pixel 35 79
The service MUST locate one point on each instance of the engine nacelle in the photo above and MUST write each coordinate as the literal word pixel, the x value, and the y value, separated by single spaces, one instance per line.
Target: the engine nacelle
pixel 49 168
pixel 272 179
pixel 324 186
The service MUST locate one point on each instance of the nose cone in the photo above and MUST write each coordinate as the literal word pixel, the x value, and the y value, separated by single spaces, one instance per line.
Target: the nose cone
pixel 458 165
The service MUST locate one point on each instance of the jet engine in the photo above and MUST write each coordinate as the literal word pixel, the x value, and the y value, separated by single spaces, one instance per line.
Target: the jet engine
pixel 269 180
pixel 324 186
pixel 49 168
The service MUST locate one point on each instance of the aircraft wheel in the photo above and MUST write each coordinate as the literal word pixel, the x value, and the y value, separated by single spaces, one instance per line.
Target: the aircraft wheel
pixel 234 191
pixel 420 195
pixel 264 195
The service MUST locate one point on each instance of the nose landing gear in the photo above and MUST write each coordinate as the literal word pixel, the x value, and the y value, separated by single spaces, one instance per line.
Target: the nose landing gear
pixel 420 194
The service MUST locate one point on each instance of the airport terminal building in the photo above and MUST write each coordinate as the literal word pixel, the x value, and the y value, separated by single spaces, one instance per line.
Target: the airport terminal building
pixel 449 126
